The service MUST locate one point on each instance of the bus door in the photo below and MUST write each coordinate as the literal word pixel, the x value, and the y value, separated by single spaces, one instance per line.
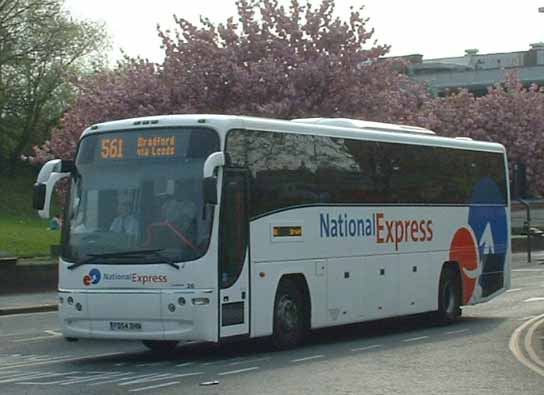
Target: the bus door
pixel 234 259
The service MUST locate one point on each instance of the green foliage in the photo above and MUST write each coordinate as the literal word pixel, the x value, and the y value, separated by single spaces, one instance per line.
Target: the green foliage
pixel 41 49
pixel 22 232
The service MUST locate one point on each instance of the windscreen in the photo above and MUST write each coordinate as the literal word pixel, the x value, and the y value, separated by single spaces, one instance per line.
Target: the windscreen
pixel 140 190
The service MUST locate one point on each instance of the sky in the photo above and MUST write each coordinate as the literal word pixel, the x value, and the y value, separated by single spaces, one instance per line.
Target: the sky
pixel 433 28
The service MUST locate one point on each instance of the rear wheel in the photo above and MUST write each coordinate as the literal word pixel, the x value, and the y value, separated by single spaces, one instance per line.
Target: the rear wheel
pixel 449 296
pixel 289 319
pixel 160 346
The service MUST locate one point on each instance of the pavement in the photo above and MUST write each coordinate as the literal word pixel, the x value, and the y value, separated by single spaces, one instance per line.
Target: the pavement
pixel 24 303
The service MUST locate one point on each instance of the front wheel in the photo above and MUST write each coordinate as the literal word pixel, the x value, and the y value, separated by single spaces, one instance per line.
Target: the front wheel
pixel 289 321
pixel 449 296
pixel 160 346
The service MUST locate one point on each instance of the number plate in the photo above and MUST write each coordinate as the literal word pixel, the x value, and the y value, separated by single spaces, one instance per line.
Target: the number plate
pixel 125 326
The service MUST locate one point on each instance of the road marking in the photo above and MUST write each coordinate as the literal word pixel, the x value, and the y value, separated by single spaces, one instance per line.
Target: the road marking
pixel 457 331
pixel 415 339
pixel 164 376
pixel 527 270
pixel 52 332
pixel 528 343
pixel 515 348
pixel 47 376
pixel 184 364
pixel 366 348
pixel 307 358
pixel 238 371
pixel 514 290
pixel 155 377
pixel 32 339
pixel 137 376
pixel 535 299
pixel 25 376
pixel 526 318
pixel 154 386
pixel 96 377
pixel 149 364
pixel 250 361
pixel 71 359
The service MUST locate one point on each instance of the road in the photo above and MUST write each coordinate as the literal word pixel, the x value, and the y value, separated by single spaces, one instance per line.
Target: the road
pixel 401 356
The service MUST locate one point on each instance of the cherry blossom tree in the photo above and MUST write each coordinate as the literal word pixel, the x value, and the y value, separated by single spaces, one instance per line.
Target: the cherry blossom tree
pixel 274 61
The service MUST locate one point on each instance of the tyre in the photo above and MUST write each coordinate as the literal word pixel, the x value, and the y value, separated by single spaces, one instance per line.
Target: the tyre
pixel 449 296
pixel 290 324
pixel 160 346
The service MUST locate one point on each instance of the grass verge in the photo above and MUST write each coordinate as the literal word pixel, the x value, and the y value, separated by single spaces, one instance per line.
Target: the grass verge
pixel 22 232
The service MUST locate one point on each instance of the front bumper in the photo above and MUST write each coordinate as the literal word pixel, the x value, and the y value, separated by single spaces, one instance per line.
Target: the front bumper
pixel 166 314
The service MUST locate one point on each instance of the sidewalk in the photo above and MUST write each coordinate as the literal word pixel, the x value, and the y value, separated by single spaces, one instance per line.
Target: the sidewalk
pixel 28 303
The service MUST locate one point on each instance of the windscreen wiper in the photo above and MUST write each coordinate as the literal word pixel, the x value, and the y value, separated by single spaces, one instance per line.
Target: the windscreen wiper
pixel 125 254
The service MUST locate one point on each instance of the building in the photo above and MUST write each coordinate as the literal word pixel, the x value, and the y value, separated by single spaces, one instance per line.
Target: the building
pixel 476 72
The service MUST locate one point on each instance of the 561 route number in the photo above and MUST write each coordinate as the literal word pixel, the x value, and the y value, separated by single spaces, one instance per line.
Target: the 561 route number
pixel 112 149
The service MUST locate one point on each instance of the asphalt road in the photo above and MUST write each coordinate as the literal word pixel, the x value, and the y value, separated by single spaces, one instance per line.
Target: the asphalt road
pixel 401 356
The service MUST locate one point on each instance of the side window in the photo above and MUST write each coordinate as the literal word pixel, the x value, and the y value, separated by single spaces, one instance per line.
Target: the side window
pixel 282 168
pixel 345 170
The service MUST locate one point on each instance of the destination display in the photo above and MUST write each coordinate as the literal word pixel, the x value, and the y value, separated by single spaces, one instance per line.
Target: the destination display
pixel 150 144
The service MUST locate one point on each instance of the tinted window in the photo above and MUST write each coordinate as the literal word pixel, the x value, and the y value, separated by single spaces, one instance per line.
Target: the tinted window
pixel 289 170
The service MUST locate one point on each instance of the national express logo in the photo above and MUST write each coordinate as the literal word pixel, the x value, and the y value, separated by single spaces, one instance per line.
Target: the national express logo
pixel 383 229
pixel 481 247
pixel 93 277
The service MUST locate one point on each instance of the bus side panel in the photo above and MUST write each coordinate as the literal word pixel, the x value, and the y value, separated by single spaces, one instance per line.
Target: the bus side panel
pixel 416 288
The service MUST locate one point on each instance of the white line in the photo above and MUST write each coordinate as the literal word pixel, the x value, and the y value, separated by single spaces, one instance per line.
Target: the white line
pixel 43 376
pixel 238 371
pixel 149 364
pixel 250 361
pixel 25 376
pixel 154 386
pixel 514 290
pixel 165 376
pixel 138 376
pixel 307 358
pixel 515 348
pixel 366 348
pixel 457 331
pixel 54 333
pixel 536 299
pixel 529 347
pixel 162 376
pixel 526 318
pixel 527 270
pixel 32 339
pixel 97 377
pixel 415 339
pixel 8 374
pixel 182 365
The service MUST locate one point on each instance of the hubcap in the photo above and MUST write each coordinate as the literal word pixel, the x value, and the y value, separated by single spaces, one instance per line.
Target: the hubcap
pixel 287 313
